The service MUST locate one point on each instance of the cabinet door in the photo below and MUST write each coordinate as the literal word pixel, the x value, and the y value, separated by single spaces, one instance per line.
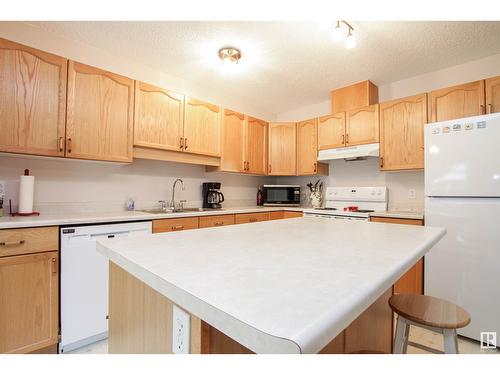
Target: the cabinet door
pixel 100 114
pixel 362 126
pixel 492 87
pixel 159 117
pixel 331 131
pixel 29 302
pixel 282 152
pixel 175 224
pixel 402 133
pixel 233 137
pixel 256 146
pixel 307 147
pixel 457 101
pixel 33 100
pixel 202 129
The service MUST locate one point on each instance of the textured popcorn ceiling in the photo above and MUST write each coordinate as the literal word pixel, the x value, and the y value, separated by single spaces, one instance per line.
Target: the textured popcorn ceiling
pixel 286 65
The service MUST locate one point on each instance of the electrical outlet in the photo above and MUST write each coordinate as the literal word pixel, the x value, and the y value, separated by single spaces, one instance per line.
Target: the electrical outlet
pixel 411 193
pixel 180 331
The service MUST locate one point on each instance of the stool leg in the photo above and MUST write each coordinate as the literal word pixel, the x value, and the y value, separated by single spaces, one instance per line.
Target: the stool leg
pixel 450 341
pixel 401 339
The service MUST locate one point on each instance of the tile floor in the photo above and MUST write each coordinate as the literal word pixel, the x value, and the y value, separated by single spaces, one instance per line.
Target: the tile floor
pixel 417 334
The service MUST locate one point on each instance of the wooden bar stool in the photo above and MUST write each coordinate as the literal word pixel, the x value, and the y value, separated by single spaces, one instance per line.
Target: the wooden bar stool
pixel 427 312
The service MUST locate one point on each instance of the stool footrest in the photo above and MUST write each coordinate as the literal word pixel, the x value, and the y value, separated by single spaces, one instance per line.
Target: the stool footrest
pixel 423 347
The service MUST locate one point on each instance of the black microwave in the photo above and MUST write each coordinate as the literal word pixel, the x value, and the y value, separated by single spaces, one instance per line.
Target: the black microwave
pixel 281 195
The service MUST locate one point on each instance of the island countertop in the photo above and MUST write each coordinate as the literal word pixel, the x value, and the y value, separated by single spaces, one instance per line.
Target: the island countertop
pixel 286 286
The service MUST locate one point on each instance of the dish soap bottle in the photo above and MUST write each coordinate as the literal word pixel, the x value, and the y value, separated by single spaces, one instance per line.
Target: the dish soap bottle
pixel 260 197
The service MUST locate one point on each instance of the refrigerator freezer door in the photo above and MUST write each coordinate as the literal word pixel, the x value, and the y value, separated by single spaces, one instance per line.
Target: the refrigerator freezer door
pixel 462 157
pixel 464 267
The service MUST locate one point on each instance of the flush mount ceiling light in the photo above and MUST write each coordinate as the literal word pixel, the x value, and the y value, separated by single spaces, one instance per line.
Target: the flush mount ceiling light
pixel 344 32
pixel 230 55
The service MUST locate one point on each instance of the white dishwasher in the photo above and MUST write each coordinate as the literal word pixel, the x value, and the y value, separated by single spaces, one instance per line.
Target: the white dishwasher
pixel 84 281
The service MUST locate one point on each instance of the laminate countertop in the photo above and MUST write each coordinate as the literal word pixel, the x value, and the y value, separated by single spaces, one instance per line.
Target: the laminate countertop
pixel 284 286
pixel 76 218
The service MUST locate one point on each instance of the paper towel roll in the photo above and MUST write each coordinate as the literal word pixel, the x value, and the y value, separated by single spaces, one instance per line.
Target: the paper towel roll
pixel 26 192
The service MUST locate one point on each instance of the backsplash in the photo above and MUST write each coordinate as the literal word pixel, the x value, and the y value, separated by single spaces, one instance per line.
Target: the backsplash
pixel 367 173
pixel 83 186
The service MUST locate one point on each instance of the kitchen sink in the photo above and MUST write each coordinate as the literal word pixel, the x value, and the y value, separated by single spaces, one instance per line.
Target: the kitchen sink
pixel 170 211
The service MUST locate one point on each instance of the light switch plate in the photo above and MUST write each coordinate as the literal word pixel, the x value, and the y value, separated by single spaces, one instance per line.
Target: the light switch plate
pixel 180 331
pixel 411 193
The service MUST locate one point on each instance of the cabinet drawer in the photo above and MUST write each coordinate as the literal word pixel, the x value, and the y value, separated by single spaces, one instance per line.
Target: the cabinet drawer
pixel 216 221
pixel 251 218
pixel 292 214
pixel 28 240
pixel 171 225
pixel 394 220
pixel 276 215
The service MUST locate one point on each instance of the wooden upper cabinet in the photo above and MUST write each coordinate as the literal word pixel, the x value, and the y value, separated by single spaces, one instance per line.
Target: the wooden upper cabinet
pixel 256 142
pixel 307 147
pixel 457 101
pixel 29 308
pixel 282 153
pixel 33 100
pixel 492 88
pixel 99 122
pixel 358 95
pixel 159 117
pixel 402 124
pixel 362 126
pixel 331 131
pixel 233 139
pixel 202 128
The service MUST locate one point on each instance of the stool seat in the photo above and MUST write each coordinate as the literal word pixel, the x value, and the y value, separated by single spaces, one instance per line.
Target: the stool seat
pixel 429 311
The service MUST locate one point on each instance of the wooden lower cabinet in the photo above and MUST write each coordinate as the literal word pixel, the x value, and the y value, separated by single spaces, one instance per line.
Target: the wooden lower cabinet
pixel 216 221
pixel 278 215
pixel 412 282
pixel 175 224
pixel 29 302
pixel 251 218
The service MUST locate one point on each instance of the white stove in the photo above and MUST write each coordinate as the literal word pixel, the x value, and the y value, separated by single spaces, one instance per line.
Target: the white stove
pixel 355 203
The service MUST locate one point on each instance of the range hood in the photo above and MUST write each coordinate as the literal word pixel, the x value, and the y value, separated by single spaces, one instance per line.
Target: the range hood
pixel 350 152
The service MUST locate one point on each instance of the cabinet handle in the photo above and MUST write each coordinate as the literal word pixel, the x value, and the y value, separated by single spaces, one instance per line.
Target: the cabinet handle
pixel 178 227
pixel 253 219
pixel 269 168
pixel 346 138
pixel 61 144
pixel 185 143
pixel 68 145
pixel 12 243
pixel 490 108
pixel 482 109
pixel 218 223
pixel 381 162
pixel 315 167
pixel 343 138
pixel 181 143
pixel 54 265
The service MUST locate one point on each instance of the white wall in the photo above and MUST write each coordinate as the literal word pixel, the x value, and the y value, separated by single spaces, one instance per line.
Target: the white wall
pixel 367 173
pixel 70 185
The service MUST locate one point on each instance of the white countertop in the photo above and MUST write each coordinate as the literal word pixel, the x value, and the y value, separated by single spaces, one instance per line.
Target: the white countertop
pixel 108 217
pixel 284 286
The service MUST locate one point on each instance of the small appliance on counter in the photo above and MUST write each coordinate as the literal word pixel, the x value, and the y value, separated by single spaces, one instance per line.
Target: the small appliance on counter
pixel 212 197
pixel 26 195
pixel 281 195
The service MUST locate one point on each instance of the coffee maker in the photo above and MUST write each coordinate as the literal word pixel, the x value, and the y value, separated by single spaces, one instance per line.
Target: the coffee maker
pixel 212 197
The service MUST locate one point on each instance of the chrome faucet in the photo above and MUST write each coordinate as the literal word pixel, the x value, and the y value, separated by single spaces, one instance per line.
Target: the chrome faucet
pixel 172 202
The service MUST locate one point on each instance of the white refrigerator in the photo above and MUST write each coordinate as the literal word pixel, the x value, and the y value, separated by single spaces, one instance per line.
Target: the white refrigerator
pixel 462 188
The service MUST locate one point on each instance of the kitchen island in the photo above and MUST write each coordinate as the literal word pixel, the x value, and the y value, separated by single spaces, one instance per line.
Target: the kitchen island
pixel 290 286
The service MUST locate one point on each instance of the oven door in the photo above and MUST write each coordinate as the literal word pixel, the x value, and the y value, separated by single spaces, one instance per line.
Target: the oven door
pixel 281 195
